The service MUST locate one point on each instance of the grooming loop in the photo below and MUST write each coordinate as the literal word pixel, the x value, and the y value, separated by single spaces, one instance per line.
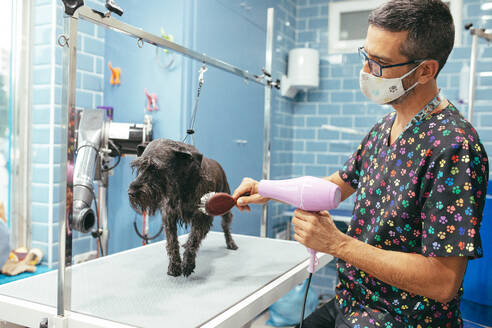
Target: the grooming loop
pixel 169 55
pixel 145 232
pixel 201 80
pixel 63 41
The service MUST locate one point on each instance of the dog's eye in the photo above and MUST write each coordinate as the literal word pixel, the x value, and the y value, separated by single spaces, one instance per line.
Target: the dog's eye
pixel 183 155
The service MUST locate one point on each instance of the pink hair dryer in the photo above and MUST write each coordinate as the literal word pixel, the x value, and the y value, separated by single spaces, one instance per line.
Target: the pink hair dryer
pixel 307 193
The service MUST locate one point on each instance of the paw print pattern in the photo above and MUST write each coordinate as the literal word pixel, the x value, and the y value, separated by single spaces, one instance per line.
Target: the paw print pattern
pixel 423 194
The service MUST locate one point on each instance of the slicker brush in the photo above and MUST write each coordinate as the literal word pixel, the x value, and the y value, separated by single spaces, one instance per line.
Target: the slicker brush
pixel 216 203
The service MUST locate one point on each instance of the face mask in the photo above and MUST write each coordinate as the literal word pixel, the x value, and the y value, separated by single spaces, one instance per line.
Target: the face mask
pixel 381 90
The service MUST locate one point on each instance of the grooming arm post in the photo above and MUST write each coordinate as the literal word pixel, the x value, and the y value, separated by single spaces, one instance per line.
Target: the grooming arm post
pixel 89 141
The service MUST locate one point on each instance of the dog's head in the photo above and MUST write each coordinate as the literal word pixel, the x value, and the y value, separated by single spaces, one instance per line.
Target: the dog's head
pixel 165 167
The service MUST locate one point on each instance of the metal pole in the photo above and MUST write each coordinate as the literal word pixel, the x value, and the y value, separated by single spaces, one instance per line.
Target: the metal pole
pixel 268 106
pixel 19 205
pixel 473 68
pixel 476 33
pixel 108 21
pixel 68 108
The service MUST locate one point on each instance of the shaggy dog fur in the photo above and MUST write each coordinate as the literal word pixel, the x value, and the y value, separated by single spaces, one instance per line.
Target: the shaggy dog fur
pixel 172 177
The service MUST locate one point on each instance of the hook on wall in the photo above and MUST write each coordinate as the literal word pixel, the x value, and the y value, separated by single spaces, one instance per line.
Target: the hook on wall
pixel 63 41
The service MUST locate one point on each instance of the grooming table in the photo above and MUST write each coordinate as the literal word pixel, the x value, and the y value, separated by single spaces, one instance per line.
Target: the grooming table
pixel 131 288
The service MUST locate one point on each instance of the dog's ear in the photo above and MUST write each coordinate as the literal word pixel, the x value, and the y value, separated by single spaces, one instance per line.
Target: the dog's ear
pixel 187 155
pixel 141 148
pixel 197 156
pixel 136 163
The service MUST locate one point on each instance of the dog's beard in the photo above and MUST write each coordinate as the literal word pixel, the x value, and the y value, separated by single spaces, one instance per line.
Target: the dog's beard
pixel 147 198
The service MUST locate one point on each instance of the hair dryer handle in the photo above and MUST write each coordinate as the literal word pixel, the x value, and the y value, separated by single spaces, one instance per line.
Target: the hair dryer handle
pixel 313 260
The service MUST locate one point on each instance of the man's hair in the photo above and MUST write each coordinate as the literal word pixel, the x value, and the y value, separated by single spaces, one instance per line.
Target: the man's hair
pixel 429 24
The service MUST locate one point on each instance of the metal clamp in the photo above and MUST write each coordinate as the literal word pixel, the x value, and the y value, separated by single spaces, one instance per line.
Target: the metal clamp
pixel 275 84
pixel 72 5
pixel 113 7
pixel 480 32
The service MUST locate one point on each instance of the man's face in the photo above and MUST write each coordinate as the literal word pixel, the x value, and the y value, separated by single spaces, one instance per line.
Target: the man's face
pixel 384 47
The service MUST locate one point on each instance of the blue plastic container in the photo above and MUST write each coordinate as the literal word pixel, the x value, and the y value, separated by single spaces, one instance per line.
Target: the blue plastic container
pixel 477 285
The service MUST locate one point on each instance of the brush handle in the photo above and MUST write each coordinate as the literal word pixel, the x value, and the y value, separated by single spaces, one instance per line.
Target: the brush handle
pixel 307 193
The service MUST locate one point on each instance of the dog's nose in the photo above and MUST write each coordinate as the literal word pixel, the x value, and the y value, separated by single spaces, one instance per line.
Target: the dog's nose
pixel 131 193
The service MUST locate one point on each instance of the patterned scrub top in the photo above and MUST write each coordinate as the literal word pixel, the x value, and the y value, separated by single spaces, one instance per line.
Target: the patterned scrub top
pixel 423 194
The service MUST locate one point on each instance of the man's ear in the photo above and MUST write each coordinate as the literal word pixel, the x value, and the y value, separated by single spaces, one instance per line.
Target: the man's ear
pixel 428 71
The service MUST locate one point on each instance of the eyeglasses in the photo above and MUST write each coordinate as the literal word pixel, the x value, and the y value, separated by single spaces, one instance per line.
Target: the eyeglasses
pixel 376 68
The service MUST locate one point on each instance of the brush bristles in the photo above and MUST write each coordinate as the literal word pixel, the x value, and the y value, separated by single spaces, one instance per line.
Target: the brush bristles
pixel 203 202
pixel 215 204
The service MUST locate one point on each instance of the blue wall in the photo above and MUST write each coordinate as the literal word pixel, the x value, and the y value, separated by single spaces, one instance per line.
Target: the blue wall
pixel 229 109
pixel 141 70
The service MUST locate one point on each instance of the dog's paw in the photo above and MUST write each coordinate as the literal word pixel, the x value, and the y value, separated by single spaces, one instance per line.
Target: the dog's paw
pixel 188 268
pixel 174 270
pixel 231 245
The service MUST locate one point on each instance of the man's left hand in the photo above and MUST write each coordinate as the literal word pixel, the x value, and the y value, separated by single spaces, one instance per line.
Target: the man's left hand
pixel 317 230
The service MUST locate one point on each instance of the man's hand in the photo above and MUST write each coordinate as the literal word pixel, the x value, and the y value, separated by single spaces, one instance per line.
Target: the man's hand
pixel 247 193
pixel 316 230
pixel 438 278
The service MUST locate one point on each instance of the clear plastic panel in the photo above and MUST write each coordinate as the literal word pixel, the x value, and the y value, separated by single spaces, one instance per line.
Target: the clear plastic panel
pixel 131 284
pixel 6 27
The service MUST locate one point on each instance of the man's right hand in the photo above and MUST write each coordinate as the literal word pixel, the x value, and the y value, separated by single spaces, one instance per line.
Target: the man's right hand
pixel 247 193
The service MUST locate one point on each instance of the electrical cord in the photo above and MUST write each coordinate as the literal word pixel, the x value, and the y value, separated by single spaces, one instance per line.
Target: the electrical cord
pixel 117 161
pixel 98 232
pixel 143 236
pixel 305 298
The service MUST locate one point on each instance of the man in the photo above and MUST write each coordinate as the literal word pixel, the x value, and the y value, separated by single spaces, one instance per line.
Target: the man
pixel 420 177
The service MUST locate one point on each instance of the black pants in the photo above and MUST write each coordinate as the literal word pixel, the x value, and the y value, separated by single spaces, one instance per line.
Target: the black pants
pixel 328 316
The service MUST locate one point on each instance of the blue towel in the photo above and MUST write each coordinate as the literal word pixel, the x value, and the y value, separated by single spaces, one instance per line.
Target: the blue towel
pixel 39 269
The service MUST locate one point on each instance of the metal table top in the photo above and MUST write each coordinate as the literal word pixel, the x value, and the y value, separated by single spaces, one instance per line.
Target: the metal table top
pixel 132 287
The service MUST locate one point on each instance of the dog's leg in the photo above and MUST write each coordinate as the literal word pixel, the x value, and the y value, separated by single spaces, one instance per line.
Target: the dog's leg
pixel 172 246
pixel 198 232
pixel 226 227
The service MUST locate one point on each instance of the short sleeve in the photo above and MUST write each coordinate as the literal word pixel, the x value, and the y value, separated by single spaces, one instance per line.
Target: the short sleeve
pixel 352 169
pixel 454 189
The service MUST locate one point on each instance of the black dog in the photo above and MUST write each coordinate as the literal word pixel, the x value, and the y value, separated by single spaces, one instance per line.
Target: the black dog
pixel 172 177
